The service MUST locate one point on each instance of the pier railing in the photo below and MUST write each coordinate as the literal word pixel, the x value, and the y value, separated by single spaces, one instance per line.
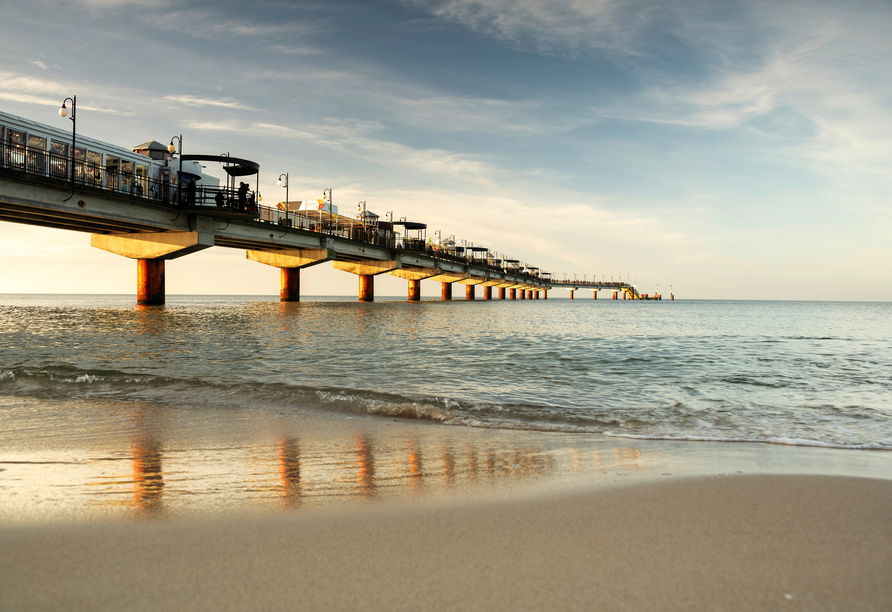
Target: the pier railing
pixel 64 171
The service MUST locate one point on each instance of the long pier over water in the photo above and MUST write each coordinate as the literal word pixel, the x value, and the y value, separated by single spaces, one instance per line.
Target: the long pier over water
pixel 150 221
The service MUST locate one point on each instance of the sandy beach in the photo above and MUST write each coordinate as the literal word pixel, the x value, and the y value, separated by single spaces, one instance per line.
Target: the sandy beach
pixel 737 542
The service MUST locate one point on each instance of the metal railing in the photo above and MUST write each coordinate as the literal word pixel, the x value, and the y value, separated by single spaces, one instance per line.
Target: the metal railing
pixel 34 163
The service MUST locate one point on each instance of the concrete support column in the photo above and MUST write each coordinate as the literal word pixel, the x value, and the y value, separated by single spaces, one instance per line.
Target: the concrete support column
pixel 414 290
pixel 523 294
pixel 614 295
pixel 150 282
pixel 571 294
pixel 470 292
pixel 366 288
pixel 289 285
pixel 624 295
pixel 594 295
pixel 545 294
pixel 536 295
pixel 501 293
pixel 487 293
pixel 513 294
pixel 446 291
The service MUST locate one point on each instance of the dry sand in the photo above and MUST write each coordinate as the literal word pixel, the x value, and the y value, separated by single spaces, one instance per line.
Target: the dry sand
pixel 718 543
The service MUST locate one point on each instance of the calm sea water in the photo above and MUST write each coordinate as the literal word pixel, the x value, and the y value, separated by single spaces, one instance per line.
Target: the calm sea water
pixel 806 373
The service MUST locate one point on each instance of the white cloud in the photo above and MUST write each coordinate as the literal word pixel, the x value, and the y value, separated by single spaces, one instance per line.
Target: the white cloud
pixel 39 64
pixel 561 27
pixel 199 101
pixel 289 50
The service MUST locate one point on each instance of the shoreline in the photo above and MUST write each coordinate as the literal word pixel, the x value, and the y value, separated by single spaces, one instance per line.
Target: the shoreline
pixel 742 542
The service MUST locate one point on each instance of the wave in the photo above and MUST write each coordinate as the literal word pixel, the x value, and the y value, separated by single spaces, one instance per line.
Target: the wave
pixel 62 382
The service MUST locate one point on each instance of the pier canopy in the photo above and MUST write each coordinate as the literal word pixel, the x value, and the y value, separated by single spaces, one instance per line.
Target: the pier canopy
pixel 233 166
pixel 410 241
pixel 229 202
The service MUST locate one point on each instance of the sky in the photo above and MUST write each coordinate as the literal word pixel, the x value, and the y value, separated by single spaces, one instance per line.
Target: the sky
pixel 728 149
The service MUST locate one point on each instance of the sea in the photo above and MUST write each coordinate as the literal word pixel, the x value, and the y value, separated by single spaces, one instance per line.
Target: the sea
pixel 244 401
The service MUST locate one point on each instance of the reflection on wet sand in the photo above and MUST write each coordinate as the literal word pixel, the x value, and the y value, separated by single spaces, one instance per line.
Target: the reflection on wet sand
pixel 293 473
pixel 416 465
pixel 365 474
pixel 148 481
pixel 289 472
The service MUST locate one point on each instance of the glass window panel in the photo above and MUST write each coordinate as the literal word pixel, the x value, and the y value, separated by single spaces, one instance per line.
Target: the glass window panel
pixel 80 172
pixel 142 180
pixel 58 159
pixel 37 154
pixel 94 168
pixel 127 176
pixel 112 172
pixel 16 152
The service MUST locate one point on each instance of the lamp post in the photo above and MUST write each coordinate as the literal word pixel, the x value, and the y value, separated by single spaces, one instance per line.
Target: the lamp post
pixel 284 183
pixel 63 112
pixel 324 191
pixel 179 151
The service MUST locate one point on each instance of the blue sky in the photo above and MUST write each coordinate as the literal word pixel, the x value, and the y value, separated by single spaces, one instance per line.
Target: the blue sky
pixel 730 149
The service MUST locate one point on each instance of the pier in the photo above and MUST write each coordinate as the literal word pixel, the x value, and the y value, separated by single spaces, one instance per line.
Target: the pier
pixel 151 218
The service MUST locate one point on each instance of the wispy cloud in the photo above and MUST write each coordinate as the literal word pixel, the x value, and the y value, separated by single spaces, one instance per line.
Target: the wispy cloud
pixel 559 27
pixel 39 64
pixel 303 50
pixel 199 101
pixel 27 90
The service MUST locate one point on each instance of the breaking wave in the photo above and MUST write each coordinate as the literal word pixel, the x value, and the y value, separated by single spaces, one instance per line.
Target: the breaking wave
pixel 670 420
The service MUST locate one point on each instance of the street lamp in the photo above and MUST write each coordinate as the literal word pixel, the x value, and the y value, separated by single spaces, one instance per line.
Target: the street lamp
pixel 179 151
pixel 360 208
pixel 63 112
pixel 284 183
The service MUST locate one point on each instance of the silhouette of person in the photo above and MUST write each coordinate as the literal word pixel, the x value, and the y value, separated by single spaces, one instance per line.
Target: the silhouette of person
pixel 242 195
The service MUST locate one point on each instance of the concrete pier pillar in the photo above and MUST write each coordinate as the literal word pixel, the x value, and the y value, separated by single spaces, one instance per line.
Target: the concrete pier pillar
pixel 487 293
pixel 536 295
pixel 614 295
pixel 571 294
pixel 545 294
pixel 446 291
pixel 501 293
pixel 594 295
pixel 289 285
pixel 513 294
pixel 523 294
pixel 624 295
pixel 366 288
pixel 414 290
pixel 150 282
pixel 470 292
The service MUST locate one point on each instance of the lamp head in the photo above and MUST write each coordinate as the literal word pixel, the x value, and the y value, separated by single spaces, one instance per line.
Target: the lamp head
pixel 63 111
pixel 171 148
pixel 279 183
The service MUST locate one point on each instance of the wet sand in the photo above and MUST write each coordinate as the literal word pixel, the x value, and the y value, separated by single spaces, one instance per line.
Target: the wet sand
pixel 741 542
